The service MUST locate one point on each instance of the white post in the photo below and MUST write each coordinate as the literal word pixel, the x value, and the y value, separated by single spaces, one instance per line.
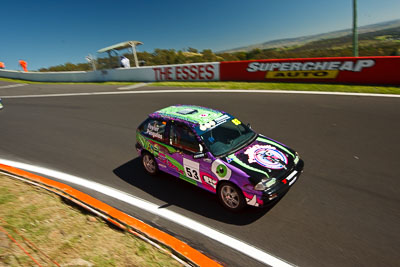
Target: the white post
pixel 90 59
pixel 134 55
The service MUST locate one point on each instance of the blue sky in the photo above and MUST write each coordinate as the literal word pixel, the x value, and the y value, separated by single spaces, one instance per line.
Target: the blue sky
pixel 52 32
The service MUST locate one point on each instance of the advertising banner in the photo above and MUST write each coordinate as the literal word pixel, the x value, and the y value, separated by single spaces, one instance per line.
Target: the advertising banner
pixel 188 72
pixel 357 70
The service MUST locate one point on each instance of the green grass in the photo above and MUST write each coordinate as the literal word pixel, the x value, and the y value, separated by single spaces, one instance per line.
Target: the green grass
pixel 65 233
pixel 383 37
pixel 285 86
pixel 34 82
pixel 255 86
pixel 5 196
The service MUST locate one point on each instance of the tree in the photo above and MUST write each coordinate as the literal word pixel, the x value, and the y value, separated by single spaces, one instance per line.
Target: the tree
pixel 180 58
pixel 208 55
pixel 192 50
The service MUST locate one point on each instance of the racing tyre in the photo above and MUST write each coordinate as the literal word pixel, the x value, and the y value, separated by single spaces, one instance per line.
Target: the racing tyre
pixel 149 163
pixel 231 197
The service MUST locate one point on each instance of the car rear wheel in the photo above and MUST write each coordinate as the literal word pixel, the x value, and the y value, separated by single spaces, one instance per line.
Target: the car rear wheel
pixel 149 163
pixel 231 197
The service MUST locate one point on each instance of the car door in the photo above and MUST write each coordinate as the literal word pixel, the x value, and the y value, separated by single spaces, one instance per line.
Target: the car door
pixel 195 164
pixel 153 137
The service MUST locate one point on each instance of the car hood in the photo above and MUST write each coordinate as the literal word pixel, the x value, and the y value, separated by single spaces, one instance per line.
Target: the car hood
pixel 262 159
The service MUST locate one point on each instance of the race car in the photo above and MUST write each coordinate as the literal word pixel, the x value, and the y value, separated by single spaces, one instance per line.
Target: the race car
pixel 217 152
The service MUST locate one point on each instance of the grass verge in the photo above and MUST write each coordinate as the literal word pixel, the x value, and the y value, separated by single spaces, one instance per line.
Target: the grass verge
pixel 285 86
pixel 66 234
pixel 98 83
pixel 254 86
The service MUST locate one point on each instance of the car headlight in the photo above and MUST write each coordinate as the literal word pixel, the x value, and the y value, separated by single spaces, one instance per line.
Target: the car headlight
pixel 265 184
pixel 296 158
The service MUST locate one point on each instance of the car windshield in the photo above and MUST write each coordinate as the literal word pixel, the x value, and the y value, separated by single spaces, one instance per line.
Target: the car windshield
pixel 227 137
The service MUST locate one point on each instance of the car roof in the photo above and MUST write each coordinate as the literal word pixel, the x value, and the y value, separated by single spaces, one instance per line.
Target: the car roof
pixel 188 114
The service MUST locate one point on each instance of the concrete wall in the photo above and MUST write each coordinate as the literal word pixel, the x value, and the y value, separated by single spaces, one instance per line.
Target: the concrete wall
pixel 73 76
pixel 347 70
pixel 187 72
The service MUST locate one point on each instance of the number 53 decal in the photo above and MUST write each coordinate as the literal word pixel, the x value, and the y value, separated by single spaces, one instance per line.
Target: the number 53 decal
pixel 191 169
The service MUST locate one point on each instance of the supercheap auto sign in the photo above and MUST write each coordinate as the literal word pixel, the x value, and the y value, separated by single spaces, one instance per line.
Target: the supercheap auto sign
pixel 360 70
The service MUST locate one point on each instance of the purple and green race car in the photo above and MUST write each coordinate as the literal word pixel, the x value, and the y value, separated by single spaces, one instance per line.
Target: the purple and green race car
pixel 217 152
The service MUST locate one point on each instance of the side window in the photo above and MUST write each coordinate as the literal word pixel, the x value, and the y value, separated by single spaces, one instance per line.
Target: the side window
pixel 154 129
pixel 183 137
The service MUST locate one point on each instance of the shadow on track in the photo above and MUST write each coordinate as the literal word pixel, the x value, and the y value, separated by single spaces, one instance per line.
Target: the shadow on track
pixel 176 192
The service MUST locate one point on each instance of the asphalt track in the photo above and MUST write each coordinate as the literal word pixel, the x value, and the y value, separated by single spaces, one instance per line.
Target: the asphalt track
pixel 343 211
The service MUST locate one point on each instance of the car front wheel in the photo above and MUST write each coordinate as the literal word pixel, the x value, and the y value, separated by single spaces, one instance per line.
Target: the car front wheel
pixel 149 163
pixel 231 197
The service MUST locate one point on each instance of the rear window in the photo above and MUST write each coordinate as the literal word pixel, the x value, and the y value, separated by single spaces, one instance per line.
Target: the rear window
pixel 154 129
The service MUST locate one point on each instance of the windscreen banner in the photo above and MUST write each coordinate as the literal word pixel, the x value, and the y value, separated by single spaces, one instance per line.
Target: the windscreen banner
pixel 351 70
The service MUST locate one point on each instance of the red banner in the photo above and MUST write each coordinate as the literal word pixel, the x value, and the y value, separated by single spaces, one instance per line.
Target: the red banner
pixel 356 70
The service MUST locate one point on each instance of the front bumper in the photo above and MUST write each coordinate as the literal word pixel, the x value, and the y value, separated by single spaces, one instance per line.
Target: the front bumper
pixel 284 184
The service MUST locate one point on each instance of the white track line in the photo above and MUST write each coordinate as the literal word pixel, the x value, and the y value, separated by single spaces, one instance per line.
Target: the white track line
pixel 206 91
pixel 225 239
pixel 134 86
pixel 13 85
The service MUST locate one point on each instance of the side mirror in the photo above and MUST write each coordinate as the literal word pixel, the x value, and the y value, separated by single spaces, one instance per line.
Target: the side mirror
pixel 201 149
pixel 248 125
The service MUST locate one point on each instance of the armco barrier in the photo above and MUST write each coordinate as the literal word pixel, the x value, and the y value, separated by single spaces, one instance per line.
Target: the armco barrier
pixel 346 70
pixel 114 216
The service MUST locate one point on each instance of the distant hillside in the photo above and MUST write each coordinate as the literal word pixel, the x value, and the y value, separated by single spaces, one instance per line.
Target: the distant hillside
pixel 381 39
pixel 300 41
